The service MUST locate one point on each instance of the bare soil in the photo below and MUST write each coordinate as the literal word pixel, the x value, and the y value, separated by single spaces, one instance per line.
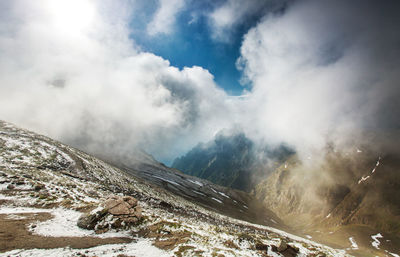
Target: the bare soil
pixel 14 234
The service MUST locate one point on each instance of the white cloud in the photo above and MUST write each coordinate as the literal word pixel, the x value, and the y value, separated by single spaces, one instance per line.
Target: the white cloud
pixel 164 18
pixel 86 83
pixel 225 17
pixel 315 73
pixel 318 71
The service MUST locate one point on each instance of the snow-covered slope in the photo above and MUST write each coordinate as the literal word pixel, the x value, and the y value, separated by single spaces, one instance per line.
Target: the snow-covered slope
pixel 45 186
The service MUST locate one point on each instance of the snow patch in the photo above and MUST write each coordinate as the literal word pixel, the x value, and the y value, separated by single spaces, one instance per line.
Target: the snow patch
pixel 142 247
pixel 354 245
pixel 362 179
pixel 377 164
pixel 393 254
pixel 199 193
pixel 18 210
pixel 224 195
pixel 214 190
pixel 196 182
pixel 64 224
pixel 376 242
pixel 166 180
pixel 215 199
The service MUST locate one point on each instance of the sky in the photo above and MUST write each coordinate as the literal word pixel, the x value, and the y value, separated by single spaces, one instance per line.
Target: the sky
pixel 200 36
pixel 110 77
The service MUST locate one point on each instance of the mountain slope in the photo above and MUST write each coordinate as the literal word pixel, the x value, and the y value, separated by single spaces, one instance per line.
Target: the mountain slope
pixel 225 161
pixel 230 160
pixel 48 188
pixel 353 194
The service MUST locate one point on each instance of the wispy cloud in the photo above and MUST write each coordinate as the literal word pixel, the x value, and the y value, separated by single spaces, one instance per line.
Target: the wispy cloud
pixel 226 17
pixel 164 18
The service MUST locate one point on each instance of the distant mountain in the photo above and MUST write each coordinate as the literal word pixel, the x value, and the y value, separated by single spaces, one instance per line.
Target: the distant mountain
pixel 231 160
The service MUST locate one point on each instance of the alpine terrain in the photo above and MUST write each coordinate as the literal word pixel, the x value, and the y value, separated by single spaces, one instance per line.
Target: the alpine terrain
pixel 348 198
pixel 59 201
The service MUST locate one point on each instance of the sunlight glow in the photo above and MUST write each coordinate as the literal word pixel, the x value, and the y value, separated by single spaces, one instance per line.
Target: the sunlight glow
pixel 71 16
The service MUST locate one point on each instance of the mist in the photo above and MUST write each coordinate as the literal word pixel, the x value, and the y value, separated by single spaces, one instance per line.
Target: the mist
pixel 320 72
pixel 69 70
pixel 323 71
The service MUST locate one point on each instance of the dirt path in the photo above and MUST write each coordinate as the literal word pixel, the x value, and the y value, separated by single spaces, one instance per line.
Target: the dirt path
pixel 14 234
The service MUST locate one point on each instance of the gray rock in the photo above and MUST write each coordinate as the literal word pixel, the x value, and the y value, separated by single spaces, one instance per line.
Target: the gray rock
pixel 38 187
pixel 121 205
pixel 282 246
pixel 89 221
pixel 124 213
pixel 130 200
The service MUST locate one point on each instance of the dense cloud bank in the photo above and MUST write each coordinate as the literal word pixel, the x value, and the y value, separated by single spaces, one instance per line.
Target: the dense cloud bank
pixel 324 71
pixel 320 71
pixel 70 70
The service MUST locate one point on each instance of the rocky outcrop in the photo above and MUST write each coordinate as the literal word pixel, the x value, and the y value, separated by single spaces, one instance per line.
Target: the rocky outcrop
pixel 116 212
pixel 286 250
pixel 283 248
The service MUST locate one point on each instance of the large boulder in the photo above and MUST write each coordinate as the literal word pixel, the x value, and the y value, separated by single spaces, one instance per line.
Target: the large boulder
pixel 117 212
pixel 126 205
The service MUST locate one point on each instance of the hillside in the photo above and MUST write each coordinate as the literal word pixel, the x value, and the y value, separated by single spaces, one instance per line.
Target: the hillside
pixel 353 195
pixel 344 194
pixel 231 160
pixel 58 201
